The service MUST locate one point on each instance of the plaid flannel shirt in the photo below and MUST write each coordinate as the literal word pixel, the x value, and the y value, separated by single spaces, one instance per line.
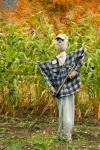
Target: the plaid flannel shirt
pixel 54 74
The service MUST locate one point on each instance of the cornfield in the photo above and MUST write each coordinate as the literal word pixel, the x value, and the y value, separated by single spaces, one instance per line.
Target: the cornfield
pixel 21 84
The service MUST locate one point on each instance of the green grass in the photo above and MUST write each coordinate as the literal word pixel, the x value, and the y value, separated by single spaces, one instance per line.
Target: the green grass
pixel 15 136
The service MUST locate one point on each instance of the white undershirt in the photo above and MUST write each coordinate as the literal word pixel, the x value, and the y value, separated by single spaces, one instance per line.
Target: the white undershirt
pixel 61 58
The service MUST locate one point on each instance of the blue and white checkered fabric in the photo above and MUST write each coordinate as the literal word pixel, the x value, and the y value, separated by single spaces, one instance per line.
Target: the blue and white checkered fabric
pixel 54 74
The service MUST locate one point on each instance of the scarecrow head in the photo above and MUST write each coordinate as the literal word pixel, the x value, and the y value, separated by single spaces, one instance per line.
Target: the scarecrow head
pixel 61 42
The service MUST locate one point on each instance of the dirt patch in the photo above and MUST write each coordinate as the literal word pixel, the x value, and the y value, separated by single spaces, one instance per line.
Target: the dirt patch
pixel 15 131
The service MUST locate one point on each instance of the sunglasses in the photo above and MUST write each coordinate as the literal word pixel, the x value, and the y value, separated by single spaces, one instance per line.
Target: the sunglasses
pixel 59 39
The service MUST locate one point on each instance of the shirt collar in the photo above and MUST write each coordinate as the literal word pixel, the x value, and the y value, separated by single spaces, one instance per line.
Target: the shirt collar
pixel 62 54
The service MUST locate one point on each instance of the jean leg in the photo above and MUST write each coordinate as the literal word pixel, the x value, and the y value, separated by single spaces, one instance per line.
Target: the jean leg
pixel 68 115
pixel 60 111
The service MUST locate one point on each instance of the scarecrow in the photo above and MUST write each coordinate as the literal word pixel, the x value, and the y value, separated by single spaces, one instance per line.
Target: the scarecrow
pixel 62 74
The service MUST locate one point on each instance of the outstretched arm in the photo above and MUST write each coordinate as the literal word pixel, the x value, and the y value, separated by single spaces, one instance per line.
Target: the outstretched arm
pixel 79 61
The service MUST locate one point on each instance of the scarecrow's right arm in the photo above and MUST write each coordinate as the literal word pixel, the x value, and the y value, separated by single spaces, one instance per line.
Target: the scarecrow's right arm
pixel 45 72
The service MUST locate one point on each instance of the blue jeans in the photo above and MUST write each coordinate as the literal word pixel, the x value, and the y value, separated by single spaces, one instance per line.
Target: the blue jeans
pixel 66 115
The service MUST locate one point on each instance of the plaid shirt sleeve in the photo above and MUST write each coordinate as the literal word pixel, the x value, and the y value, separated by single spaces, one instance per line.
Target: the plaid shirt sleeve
pixel 45 71
pixel 80 57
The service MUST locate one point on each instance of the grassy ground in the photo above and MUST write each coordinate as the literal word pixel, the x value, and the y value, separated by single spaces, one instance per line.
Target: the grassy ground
pixel 15 135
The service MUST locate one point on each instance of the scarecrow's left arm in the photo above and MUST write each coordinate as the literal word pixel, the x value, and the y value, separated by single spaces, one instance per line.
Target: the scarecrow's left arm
pixel 79 59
